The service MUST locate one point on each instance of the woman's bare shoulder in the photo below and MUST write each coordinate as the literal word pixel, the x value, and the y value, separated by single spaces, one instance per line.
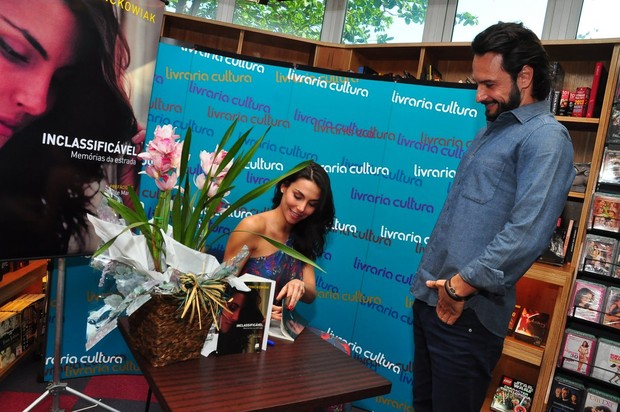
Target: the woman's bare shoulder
pixel 253 223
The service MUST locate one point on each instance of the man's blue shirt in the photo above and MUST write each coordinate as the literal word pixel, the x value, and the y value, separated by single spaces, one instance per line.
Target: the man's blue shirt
pixel 509 190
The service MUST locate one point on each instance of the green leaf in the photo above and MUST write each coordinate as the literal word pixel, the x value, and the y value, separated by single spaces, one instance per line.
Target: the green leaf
pixel 288 250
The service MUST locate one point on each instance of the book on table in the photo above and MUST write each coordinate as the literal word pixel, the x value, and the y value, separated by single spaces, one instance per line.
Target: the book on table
pixel 290 326
pixel 243 324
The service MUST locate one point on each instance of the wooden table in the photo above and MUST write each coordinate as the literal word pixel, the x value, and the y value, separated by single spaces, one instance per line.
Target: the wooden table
pixel 304 374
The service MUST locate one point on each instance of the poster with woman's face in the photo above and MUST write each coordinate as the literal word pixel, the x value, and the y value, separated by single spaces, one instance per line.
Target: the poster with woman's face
pixel 73 104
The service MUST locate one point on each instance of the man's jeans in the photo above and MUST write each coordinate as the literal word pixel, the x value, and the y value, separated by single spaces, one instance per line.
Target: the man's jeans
pixel 452 363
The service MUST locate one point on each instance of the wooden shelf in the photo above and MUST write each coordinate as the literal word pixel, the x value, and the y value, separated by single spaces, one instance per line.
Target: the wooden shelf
pixel 524 351
pixel 14 283
pixel 28 278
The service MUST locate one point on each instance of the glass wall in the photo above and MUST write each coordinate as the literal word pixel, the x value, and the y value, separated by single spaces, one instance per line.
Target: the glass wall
pixel 473 16
pixel 400 21
pixel 198 8
pixel 301 18
pixel 599 19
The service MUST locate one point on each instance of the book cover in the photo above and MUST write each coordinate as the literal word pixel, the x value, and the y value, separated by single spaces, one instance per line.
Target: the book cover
pixel 565 395
pixel 563 109
pixel 516 312
pixel 555 254
pixel 290 326
pixel 605 212
pixel 610 167
pixel 607 361
pixel 532 326
pixel 512 395
pixel 557 82
pixel 599 80
pixel 613 130
pixel 10 338
pixel 600 401
pixel 598 254
pixel 611 312
pixel 243 324
pixel 577 351
pixel 587 300
pixel 582 97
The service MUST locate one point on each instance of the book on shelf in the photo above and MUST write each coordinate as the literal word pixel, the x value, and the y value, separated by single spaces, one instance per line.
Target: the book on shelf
pixel 582 97
pixel 613 130
pixel 577 351
pixel 31 310
pixel 514 318
pixel 606 365
pixel 532 326
pixel 611 311
pixel 582 174
pixel 10 338
pixel 290 326
pixel 244 322
pixel 610 167
pixel 512 395
pixel 565 395
pixel 556 252
pixel 598 254
pixel 557 82
pixel 433 74
pixel 571 103
pixel 563 109
pixel 604 214
pixel 597 91
pixel 600 401
pixel 587 300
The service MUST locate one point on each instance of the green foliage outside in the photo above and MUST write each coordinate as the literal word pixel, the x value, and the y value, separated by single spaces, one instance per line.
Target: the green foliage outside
pixel 304 18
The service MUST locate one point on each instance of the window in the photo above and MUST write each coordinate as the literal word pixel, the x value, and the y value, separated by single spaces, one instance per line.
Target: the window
pixel 403 22
pixel 599 19
pixel 199 8
pixel 473 16
pixel 295 17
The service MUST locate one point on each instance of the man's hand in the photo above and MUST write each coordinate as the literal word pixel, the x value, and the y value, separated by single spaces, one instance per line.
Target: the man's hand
pixel 448 309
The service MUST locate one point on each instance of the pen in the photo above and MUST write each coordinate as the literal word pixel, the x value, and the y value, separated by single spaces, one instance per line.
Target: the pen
pixel 270 342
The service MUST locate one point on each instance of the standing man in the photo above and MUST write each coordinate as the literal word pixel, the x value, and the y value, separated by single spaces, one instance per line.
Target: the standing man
pixel 508 192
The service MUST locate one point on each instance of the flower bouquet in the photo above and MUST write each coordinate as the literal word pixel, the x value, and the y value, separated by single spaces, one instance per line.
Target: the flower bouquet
pixel 157 270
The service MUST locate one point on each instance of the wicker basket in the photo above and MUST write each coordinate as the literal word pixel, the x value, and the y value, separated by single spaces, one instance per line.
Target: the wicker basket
pixel 161 336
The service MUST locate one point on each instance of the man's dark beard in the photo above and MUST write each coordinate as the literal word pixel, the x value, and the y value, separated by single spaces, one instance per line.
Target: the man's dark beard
pixel 514 100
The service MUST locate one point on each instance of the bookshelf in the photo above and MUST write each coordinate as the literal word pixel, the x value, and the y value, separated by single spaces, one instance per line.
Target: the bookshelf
pixel 28 279
pixel 544 284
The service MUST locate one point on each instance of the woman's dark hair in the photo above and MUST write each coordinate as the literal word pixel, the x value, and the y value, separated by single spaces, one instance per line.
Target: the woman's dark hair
pixel 309 235
pixel 518 47
pixel 237 339
pixel 90 103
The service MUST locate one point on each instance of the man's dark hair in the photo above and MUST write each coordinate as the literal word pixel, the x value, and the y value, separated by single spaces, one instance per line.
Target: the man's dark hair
pixel 518 46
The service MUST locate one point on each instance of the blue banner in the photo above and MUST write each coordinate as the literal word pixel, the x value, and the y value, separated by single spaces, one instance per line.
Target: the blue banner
pixel 391 150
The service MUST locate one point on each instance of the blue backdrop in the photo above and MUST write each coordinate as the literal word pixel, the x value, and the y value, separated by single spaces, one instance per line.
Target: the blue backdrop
pixel 390 148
